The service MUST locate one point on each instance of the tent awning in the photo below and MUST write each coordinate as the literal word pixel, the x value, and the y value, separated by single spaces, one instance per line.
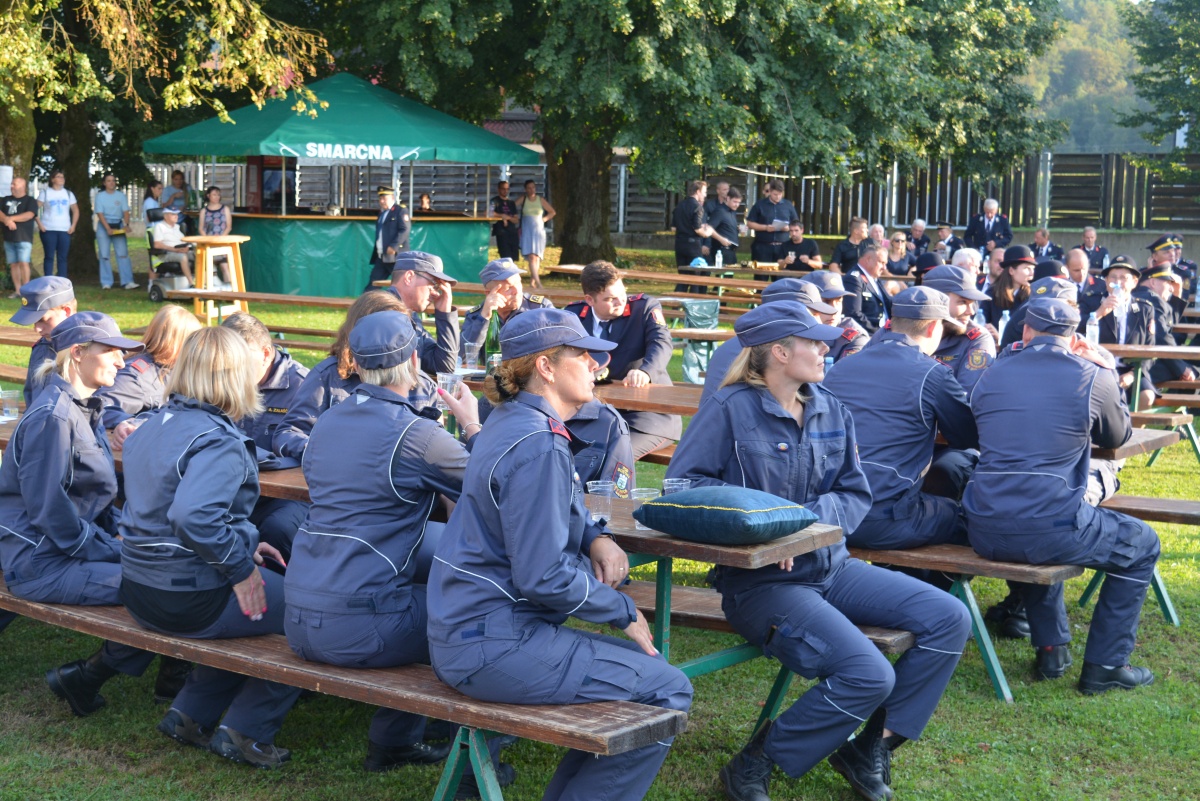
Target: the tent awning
pixel 362 123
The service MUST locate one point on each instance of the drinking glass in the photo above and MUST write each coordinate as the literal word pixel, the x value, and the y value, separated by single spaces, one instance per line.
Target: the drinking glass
pixel 602 493
pixel 641 495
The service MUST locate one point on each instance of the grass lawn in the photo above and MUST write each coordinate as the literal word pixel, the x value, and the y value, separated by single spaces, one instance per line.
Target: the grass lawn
pixel 1051 744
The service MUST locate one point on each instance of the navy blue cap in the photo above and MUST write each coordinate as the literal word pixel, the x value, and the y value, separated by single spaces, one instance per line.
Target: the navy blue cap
pixel 383 339
pixel 1159 271
pixel 800 291
pixel 1049 268
pixel 541 329
pixel 1052 316
pixel 1122 263
pixel 953 281
pixel 927 261
pixel 829 283
pixel 1054 287
pixel 1017 254
pixel 498 270
pixel 1162 243
pixel 922 303
pixel 421 262
pixel 90 326
pixel 40 296
pixel 774 321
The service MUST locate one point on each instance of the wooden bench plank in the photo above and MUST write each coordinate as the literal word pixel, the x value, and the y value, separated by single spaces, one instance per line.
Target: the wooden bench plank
pixel 1178 385
pixel 1171 400
pixel 700 608
pixel 962 559
pixel 599 728
pixel 13 374
pixel 1156 419
pixel 1159 510
pixel 661 456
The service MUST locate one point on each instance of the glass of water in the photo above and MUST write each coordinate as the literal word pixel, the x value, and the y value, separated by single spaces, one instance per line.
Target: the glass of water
pixel 471 361
pixel 602 493
pixel 676 485
pixel 10 403
pixel 641 495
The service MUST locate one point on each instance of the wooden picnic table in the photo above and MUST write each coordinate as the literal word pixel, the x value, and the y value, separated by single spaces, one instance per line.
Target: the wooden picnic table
pixel 18 337
pixel 1186 328
pixel 1143 352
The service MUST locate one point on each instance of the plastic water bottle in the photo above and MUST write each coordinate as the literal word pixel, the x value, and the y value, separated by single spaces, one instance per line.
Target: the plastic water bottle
pixel 980 318
pixel 720 259
pixel 828 364
pixel 1003 323
pixel 1092 332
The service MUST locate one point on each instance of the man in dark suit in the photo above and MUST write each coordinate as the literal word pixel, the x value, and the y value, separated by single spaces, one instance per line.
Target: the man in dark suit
pixel 989 230
pixel 950 243
pixel 637 326
pixel 391 235
pixel 1097 255
pixel 1092 288
pixel 918 240
pixel 1043 249
pixel 869 304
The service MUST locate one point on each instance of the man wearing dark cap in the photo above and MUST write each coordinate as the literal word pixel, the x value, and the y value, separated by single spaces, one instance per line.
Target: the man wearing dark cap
pixel 869 304
pixel 1026 500
pixel 854 337
pixel 1051 268
pixel 990 230
pixel 1126 319
pixel 418 280
pixel 1158 286
pixel 948 241
pixel 925 263
pixel 45 302
pixel 896 450
pixel 502 280
pixel 967 348
pixel 391 235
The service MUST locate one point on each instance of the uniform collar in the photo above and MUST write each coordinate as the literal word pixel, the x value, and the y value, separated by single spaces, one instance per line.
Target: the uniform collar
pixel 590 411
pixel 386 395
pixel 815 402
pixel 279 376
pixel 555 423
pixel 886 336
pixel 182 403
pixel 92 404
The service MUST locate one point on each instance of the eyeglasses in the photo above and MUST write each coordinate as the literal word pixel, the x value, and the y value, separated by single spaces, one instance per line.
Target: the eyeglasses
pixel 898 241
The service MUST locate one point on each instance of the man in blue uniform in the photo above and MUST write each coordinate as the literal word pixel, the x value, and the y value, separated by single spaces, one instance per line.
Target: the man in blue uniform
pixel 502 280
pixel 275 518
pixel 391 235
pixel 1090 289
pixel 896 450
pixel 1097 255
pixel 854 337
pixel 769 219
pixel 967 348
pixel 1156 288
pixel 990 230
pixel 643 347
pixel 419 281
pixel 1185 267
pixel 1043 249
pixel 949 242
pixel 1126 319
pixel 1026 502
pixel 869 304
pixel 506 229
pixel 45 302
pixel 918 240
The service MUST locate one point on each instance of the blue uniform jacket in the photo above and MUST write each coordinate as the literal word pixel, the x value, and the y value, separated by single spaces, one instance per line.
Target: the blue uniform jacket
pixel 1164 322
pixel 57 486
pixel 475 328
pixel 520 535
pixel 867 305
pixel 321 389
pixel 392 231
pixel 967 354
pixel 1097 258
pixel 279 389
pixel 853 339
pixel 355 552
pixel 1091 295
pixel 1039 409
pixel 139 387
pixel 191 481
pixel 643 343
pixel 743 437
pixel 40 352
pixel 977 237
pixel 896 438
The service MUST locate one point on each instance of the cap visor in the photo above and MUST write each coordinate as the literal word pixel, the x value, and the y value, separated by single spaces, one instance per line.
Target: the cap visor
pixel 120 342
pixel 830 294
pixel 441 276
pixel 26 316
pixel 592 344
pixel 821 333
pixel 823 308
pixel 970 293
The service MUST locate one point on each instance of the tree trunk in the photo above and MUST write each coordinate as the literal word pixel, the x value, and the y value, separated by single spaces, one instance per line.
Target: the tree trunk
pixel 73 155
pixel 579 186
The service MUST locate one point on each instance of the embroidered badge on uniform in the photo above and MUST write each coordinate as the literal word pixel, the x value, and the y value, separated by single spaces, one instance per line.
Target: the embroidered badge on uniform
pixel 977 360
pixel 536 298
pixel 139 365
pixel 658 317
pixel 559 428
pixel 849 334
pixel 974 333
pixel 622 477
pixel 1041 290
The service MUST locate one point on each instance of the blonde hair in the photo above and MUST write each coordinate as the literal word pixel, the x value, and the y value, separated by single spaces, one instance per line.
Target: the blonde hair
pixel 369 302
pixel 216 366
pixel 513 375
pixel 59 364
pixel 751 363
pixel 404 374
pixel 166 332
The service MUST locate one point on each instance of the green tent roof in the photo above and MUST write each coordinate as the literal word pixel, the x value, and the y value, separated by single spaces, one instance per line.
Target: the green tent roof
pixel 362 123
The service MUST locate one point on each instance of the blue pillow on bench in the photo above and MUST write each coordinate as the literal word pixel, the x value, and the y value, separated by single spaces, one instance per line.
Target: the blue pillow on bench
pixel 724 515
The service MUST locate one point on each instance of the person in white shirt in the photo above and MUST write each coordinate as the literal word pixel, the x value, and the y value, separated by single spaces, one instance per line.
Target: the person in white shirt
pixel 169 239
pixel 59 214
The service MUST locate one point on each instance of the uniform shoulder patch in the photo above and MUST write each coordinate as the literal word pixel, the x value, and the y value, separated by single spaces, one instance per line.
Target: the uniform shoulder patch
pixel 659 317
pixel 559 428
pixel 849 335
pixel 1016 346
pixel 139 365
pixel 978 359
pixel 974 333
pixel 638 296
pixel 536 298
pixel 622 478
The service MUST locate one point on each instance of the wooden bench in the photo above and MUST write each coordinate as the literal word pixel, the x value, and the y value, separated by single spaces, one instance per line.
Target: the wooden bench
pixel 1178 385
pixel 963 564
pixel 700 608
pixel 599 728
pixel 661 456
pixel 1174 400
pixel 13 374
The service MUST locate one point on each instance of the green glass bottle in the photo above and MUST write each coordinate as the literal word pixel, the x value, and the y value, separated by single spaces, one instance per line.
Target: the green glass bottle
pixel 491 345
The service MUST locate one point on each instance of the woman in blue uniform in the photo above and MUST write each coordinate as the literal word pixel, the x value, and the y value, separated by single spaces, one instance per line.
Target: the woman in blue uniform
pixel 57 487
pixel 190 555
pixel 140 384
pixel 521 554
pixel 355 586
pixel 772 427
pixel 333 379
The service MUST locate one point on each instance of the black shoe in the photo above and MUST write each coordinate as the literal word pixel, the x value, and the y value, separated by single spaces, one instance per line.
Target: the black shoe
pixel 998 613
pixel 1051 662
pixel 382 758
pixel 172 674
pixel 866 761
pixel 78 683
pixel 181 728
pixel 747 777
pixel 468 788
pixel 237 747
pixel 1095 679
pixel 1016 625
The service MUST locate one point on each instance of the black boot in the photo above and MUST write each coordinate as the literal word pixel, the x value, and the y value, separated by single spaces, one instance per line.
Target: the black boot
pixel 1051 662
pixel 866 761
pixel 78 683
pixel 382 758
pixel 1011 617
pixel 172 673
pixel 747 777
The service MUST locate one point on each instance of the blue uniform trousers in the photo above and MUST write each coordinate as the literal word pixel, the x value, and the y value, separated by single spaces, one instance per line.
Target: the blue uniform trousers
pixel 912 522
pixel 1123 547
pixel 84 584
pixel 810 628
pixel 277 521
pixel 534 662
pixel 367 641
pixel 256 708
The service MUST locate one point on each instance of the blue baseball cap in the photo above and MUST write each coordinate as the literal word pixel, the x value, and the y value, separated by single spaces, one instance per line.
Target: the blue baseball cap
pixel 922 303
pixel 498 270
pixel 829 283
pixel 40 296
pixel 774 321
pixel 797 290
pixel 90 326
pixel 1054 287
pixel 383 339
pixel 953 281
pixel 421 262
pixel 541 329
pixel 1052 316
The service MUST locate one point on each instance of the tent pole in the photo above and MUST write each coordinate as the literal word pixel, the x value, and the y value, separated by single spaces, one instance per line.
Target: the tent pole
pixel 411 206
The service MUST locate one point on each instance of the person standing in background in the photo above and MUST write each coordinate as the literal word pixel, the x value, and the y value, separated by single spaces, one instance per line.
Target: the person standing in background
pixel 506 229
pixel 59 216
pixel 536 211
pixel 17 211
pixel 112 220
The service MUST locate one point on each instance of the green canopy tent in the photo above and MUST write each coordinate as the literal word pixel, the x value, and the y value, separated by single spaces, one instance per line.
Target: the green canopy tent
pixel 362 123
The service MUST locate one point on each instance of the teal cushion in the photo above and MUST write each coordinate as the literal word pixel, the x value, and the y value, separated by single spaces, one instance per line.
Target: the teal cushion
pixel 724 515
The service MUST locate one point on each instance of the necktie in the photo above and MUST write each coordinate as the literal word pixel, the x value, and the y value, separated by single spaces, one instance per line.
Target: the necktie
pixel 605 328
